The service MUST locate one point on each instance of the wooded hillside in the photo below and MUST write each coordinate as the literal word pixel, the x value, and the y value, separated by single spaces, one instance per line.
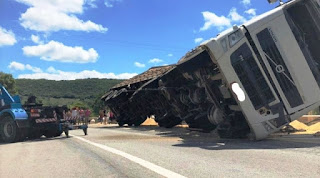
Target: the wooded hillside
pixel 69 92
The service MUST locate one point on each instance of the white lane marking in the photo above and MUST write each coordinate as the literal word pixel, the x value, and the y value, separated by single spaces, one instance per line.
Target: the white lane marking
pixel 155 168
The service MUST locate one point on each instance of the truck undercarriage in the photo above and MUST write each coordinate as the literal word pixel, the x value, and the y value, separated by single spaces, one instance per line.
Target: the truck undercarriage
pixel 192 91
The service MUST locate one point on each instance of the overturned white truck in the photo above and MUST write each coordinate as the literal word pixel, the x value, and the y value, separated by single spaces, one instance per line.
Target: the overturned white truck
pixel 250 80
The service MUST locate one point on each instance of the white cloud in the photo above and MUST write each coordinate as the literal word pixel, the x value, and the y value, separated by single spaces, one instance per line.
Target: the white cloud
pixel 246 2
pixel 251 12
pixel 212 20
pixel 7 37
pixel 221 22
pixel 155 60
pixel 198 40
pixel 36 39
pixel 56 51
pixel 235 17
pixel 170 55
pixel 49 15
pixel 33 69
pixel 109 3
pixel 54 74
pixel 52 70
pixel 19 66
pixel 91 3
pixel 138 64
pixel 16 66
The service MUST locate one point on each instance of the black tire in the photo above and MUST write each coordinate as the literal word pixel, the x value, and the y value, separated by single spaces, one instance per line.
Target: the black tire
pixel 58 133
pixel 225 131
pixel 22 134
pixel 173 122
pixel 9 130
pixel 35 134
pixel 139 122
pixel 50 133
pixel 160 124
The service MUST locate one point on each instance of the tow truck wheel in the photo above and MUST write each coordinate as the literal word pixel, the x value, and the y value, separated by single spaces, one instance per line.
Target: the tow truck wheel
pixel 21 134
pixel 58 133
pixel 50 133
pixel 9 130
pixel 35 134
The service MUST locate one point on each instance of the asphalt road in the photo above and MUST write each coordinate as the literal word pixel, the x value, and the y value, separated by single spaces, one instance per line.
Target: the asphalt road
pixel 155 152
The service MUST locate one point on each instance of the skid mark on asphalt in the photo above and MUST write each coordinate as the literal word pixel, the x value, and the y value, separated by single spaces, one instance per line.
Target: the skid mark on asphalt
pixel 155 168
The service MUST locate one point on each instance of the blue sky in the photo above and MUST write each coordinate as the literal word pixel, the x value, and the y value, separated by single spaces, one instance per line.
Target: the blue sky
pixel 73 39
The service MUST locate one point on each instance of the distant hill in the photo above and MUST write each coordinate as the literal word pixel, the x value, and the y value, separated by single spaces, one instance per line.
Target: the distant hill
pixel 64 92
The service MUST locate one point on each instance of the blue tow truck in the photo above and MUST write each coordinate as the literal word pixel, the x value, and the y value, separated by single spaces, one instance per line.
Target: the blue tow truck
pixel 14 123
pixel 32 120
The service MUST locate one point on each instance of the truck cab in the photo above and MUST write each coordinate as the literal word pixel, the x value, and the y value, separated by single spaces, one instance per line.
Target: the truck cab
pixel 272 65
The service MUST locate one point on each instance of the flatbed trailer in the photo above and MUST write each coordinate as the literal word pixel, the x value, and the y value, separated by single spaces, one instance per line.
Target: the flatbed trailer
pixel 51 121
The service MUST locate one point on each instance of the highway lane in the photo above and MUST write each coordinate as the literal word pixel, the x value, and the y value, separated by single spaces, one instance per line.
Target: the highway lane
pixel 181 152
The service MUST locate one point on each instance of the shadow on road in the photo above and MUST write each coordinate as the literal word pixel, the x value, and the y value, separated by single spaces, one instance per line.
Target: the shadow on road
pixel 37 140
pixel 211 141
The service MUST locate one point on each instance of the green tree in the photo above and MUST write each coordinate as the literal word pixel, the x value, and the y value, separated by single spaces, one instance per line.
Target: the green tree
pixel 78 104
pixel 98 105
pixel 8 82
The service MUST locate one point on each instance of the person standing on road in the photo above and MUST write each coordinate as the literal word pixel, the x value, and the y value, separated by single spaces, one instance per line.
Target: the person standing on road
pixel 87 115
pixel 111 116
pixel 69 114
pixel 101 116
pixel 108 117
pixel 74 115
pixel 104 117
pixel 81 113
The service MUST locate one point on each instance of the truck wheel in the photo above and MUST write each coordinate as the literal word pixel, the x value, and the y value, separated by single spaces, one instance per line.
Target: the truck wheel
pixel 21 134
pixel 9 130
pixel 58 134
pixel 49 133
pixel 35 134
pixel 139 121
pixel 173 122
pixel 224 131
